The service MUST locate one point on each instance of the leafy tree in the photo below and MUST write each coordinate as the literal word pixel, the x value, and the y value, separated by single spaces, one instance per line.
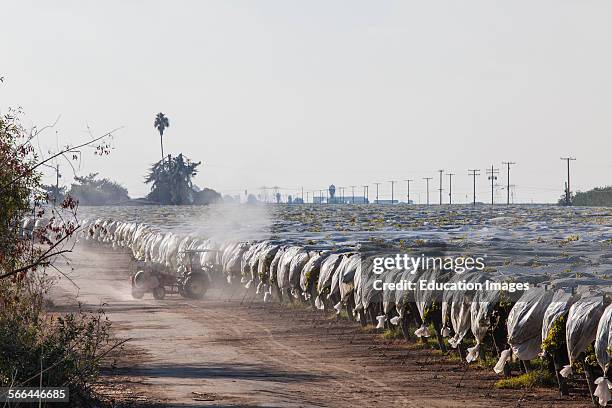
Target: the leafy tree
pixel 171 181
pixel 31 236
pixel 206 196
pixel 161 123
pixel 90 190
pixel 17 184
pixel 54 193
pixel 597 197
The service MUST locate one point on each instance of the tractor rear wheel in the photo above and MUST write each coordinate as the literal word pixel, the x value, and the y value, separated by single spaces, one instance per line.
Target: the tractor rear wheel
pixel 195 287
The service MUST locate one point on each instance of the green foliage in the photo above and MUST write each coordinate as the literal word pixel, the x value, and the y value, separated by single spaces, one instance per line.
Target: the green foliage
pixel 90 190
pixel 17 186
pixel 535 378
pixel 555 340
pixel 206 196
pixel 68 347
pixel 394 333
pixel 171 180
pixel 597 197
pixel 54 193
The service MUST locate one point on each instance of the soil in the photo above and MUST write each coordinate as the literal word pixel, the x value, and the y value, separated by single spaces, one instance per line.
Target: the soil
pixel 229 350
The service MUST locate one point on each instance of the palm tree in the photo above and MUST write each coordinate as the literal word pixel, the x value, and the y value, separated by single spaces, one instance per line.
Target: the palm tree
pixel 161 123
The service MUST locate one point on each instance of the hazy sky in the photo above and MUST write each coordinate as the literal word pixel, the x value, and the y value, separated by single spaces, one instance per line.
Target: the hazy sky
pixel 308 93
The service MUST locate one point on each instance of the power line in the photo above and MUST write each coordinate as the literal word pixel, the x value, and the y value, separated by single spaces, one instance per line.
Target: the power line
pixel 353 193
pixel 492 172
pixel 508 181
pixel 474 173
pixel 568 197
pixel 427 179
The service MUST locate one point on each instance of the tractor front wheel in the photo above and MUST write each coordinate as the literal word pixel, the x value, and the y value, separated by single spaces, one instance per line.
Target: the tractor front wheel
pixel 159 292
pixel 137 294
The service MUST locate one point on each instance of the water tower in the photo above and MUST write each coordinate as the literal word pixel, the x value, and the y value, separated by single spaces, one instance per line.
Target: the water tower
pixel 332 193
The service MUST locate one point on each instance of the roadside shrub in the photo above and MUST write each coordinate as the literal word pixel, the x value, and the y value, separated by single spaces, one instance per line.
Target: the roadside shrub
pixel 38 346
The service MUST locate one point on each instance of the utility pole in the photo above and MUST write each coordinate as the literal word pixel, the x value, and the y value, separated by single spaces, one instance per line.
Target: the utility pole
pixel 303 195
pixel 427 179
pixel 392 184
pixel 568 196
pixel 441 171
pixel 492 172
pixel 307 197
pixel 512 186
pixel 341 193
pixel 474 173
pixel 321 197
pixel 408 189
pixel 366 194
pixel 450 187
pixel 377 184
pixel 508 181
pixel 353 193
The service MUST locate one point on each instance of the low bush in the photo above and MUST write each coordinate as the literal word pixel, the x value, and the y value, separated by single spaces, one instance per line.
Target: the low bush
pixel 535 378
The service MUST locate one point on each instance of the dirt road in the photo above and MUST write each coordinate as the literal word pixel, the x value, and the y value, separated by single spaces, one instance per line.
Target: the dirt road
pixel 228 352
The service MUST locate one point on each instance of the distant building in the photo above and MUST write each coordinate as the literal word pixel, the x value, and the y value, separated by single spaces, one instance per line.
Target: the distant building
pixel 340 200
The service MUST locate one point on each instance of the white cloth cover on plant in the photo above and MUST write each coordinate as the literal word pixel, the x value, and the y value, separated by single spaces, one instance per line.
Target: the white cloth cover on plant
pixel 480 311
pixel 456 304
pixel 603 343
pixel 319 303
pixel 381 321
pixel 559 306
pixel 295 268
pixel 581 328
pixel 426 298
pixel 603 339
pixel 347 277
pixel 566 371
pixel 525 322
pixel 602 392
pixel 328 267
pixel 504 356
pixel 422 331
pixel 472 353
pixel 405 296
pixel 395 320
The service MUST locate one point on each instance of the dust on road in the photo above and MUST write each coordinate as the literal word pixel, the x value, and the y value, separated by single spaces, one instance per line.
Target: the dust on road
pixel 230 351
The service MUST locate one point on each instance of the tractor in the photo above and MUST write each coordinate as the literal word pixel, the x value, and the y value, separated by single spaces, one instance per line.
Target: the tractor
pixel 191 280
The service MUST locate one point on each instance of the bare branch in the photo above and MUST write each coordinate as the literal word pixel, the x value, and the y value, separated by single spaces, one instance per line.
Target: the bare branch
pixel 70 149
